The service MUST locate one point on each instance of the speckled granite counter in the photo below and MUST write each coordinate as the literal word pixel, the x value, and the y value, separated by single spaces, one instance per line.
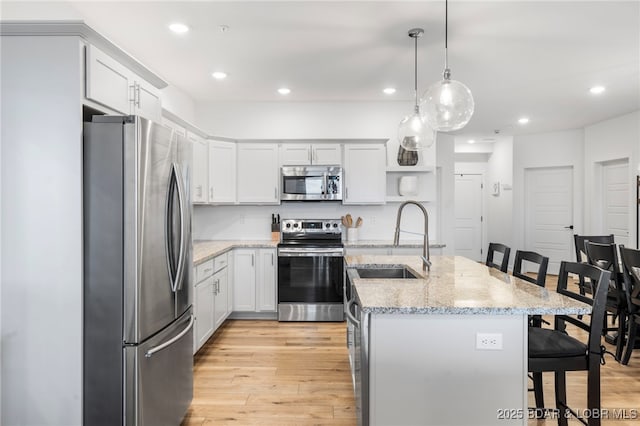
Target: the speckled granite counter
pixel 389 244
pixel 455 285
pixel 204 250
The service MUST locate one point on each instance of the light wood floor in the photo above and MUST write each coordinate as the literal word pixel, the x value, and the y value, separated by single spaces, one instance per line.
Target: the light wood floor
pixel 271 373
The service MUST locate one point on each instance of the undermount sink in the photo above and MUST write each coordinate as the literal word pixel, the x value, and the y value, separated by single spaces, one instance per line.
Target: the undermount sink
pixel 393 272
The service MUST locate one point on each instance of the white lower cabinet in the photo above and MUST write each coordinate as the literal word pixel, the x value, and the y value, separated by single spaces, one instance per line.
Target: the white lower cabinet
pixel 204 311
pixel 211 298
pixel 266 283
pixel 254 280
pixel 220 291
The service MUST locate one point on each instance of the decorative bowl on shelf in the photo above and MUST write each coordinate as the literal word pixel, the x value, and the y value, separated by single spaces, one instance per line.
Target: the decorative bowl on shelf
pixel 408 185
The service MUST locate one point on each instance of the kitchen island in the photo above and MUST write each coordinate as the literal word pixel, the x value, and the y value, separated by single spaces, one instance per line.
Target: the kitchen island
pixel 448 347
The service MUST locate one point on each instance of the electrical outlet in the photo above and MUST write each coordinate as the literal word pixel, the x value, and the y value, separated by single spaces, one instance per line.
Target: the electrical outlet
pixel 489 341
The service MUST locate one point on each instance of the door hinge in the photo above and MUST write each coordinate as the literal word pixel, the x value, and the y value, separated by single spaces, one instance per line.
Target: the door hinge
pixel 481 186
pixel 481 219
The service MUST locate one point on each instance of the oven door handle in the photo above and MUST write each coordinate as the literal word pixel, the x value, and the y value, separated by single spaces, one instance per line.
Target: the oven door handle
pixel 314 252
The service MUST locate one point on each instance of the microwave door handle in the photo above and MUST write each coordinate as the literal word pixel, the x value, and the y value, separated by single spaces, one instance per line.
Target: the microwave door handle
pixel 325 184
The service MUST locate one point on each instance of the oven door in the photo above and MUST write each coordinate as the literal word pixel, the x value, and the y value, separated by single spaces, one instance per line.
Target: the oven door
pixel 311 279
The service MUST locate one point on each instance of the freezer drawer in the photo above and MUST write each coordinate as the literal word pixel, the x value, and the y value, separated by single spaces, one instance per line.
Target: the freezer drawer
pixel 162 376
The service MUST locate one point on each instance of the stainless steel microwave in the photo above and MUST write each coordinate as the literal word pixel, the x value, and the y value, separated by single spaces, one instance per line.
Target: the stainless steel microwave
pixel 311 183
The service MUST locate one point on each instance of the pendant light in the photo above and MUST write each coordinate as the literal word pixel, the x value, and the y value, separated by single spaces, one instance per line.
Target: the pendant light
pixel 448 104
pixel 413 132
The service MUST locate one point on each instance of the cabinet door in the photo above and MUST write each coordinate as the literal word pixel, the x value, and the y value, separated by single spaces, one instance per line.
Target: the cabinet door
pixel 221 287
pixel 204 311
pixel 222 172
pixel 295 154
pixel 326 154
pixel 258 173
pixel 266 282
pixel 364 174
pixel 147 100
pixel 244 280
pixel 199 180
pixel 108 81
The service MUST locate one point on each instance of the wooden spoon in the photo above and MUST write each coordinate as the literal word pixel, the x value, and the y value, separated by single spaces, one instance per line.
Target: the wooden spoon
pixel 358 222
pixel 349 220
pixel 345 223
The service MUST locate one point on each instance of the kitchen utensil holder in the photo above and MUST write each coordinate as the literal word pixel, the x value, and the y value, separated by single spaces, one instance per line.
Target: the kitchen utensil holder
pixel 352 234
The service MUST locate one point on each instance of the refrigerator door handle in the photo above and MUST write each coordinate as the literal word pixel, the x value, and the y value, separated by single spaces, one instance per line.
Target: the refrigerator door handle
pixel 170 342
pixel 183 231
pixel 168 218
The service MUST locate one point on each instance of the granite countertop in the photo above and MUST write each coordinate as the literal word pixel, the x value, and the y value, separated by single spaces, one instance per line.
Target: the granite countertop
pixel 455 285
pixel 389 243
pixel 204 250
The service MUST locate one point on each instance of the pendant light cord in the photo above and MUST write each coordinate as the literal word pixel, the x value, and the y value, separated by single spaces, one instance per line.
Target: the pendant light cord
pixel 447 72
pixel 415 70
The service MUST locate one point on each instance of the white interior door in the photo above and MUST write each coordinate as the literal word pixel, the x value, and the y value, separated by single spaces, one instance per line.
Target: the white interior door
pixel 615 197
pixel 549 213
pixel 468 212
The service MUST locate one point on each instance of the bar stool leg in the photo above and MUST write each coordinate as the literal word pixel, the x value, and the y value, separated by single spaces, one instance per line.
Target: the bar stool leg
pixel 561 397
pixel 538 391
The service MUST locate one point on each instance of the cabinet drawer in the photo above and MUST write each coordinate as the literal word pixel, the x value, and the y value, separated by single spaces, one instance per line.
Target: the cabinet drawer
pixel 220 262
pixel 204 270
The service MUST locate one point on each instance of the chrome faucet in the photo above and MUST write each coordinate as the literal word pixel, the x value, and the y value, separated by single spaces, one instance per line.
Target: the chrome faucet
pixel 426 263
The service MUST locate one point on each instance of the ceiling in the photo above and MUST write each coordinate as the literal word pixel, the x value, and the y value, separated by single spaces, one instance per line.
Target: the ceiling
pixel 535 59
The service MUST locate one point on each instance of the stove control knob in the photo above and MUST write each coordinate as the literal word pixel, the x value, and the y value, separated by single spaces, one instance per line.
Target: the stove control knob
pixel 288 225
pixel 335 225
pixel 328 225
pixel 295 225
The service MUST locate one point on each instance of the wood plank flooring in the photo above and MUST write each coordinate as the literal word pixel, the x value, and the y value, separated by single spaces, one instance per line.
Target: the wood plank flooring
pixel 271 373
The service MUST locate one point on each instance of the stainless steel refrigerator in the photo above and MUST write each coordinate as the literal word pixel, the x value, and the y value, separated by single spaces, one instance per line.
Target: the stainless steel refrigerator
pixel 138 320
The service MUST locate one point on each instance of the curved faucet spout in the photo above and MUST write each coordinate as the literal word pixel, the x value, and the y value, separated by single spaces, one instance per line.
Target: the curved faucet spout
pixel 426 262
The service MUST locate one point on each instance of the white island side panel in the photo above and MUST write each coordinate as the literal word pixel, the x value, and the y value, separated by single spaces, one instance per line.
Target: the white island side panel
pixel 426 370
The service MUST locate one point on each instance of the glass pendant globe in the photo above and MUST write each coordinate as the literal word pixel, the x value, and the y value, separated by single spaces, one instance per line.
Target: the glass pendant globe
pixel 447 105
pixel 414 134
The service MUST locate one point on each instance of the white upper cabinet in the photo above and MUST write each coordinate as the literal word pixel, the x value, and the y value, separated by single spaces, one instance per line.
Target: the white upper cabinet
pixel 200 176
pixel 297 154
pixel 258 173
pixel 107 81
pixel 364 174
pixel 113 85
pixel 222 172
pixel 326 154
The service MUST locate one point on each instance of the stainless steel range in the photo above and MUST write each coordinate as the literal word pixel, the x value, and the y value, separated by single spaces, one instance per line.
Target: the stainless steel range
pixel 310 270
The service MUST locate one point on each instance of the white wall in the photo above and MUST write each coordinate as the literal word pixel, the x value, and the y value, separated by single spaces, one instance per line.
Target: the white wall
pixel 614 139
pixel 499 210
pixel 546 150
pixel 446 192
pixel 41 164
pixel 290 121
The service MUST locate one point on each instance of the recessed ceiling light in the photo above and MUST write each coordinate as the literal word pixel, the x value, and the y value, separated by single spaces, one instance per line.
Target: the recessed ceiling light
pixel 523 120
pixel 284 91
pixel 596 90
pixel 219 75
pixel 389 90
pixel 178 28
pixel 471 141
